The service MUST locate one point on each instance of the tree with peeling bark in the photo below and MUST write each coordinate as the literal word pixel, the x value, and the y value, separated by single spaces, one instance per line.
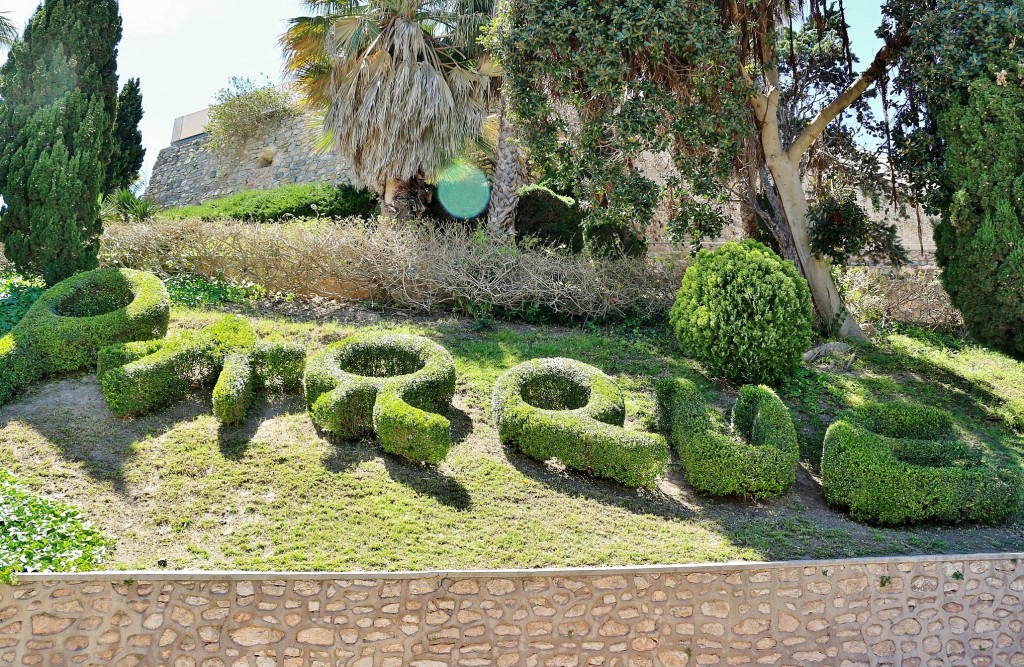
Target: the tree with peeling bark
pixel 403 85
pixel 597 83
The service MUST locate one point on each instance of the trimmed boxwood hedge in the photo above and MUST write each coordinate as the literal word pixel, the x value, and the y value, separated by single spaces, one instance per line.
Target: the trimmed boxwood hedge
pixel 66 327
pixel 391 385
pixel 567 410
pixel 141 377
pixel 902 463
pixel 758 459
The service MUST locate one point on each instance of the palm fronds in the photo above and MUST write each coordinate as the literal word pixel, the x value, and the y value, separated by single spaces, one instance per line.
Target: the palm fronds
pixel 8 33
pixel 403 85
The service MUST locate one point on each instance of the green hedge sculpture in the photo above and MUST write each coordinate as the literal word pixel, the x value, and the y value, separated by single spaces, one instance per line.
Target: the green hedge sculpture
pixel 391 385
pixel 565 409
pixel 757 459
pixel 142 377
pixel 65 329
pixel 902 463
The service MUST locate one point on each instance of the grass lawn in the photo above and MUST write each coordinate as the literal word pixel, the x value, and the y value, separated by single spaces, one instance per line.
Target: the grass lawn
pixel 275 494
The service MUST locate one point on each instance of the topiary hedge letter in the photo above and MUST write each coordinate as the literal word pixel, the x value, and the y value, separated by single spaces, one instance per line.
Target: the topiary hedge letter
pixel 901 463
pixel 565 409
pixel 393 385
pixel 65 329
pixel 142 377
pixel 757 459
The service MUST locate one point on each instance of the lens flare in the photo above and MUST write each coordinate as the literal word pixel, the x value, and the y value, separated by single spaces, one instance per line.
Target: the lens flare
pixel 463 191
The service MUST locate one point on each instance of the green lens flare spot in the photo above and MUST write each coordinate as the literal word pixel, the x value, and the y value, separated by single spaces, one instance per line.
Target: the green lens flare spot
pixel 463 191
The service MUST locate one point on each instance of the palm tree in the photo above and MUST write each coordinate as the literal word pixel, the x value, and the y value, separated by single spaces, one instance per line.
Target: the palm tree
pixel 404 86
pixel 8 33
pixel 508 169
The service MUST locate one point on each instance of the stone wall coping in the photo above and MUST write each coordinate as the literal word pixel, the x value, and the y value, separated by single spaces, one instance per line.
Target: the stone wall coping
pixel 118 576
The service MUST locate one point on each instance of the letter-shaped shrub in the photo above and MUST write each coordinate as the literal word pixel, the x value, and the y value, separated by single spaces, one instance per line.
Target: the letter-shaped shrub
pixel 65 329
pixel 393 385
pixel 141 377
pixel 902 463
pixel 757 459
pixel 567 410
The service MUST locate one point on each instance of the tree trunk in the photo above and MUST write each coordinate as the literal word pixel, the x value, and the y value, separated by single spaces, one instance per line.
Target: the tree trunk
pixel 824 293
pixel 501 215
pixel 400 200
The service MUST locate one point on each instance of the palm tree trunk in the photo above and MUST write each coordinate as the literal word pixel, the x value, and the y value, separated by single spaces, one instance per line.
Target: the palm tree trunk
pixel 501 215
pixel 400 200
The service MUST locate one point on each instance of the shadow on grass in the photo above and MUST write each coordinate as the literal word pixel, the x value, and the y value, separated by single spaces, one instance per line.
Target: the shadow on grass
pixel 57 410
pixel 234 440
pixel 347 455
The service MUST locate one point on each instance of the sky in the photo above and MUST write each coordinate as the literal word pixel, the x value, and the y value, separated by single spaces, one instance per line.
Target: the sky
pixel 184 51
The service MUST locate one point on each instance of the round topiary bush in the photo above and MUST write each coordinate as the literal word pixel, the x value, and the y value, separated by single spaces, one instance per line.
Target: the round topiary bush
pixel 901 463
pixel 549 217
pixel 757 459
pixel 67 326
pixel 744 312
pixel 393 385
pixel 567 410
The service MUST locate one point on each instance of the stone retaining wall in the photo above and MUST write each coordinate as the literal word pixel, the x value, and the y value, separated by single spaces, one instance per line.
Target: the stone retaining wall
pixel 933 611
pixel 190 172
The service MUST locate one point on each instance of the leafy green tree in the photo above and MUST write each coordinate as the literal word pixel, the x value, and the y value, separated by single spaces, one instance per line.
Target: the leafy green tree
pixel 980 241
pixel 597 83
pixel 404 86
pixel 59 87
pixel 127 153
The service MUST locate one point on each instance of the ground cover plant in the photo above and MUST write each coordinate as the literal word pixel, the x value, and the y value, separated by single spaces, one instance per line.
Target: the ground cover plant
pixel 567 410
pixel 43 536
pixel 272 492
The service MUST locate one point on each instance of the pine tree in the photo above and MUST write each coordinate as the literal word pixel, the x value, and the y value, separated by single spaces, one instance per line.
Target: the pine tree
pixel 127 152
pixel 59 87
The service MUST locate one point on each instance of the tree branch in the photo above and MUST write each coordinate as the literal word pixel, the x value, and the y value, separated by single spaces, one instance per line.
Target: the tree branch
pixel 893 47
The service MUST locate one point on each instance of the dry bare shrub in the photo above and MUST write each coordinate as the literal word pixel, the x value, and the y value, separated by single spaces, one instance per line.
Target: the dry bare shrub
pixel 414 266
pixel 909 295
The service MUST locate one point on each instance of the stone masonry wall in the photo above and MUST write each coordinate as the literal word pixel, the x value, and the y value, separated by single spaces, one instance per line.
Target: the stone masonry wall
pixel 911 612
pixel 189 172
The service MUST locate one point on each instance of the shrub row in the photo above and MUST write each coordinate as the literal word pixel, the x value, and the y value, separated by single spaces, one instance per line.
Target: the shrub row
pixel 412 266
pixel 900 463
pixel 757 459
pixel 564 409
pixel 299 200
pixel 65 328
pixel 391 385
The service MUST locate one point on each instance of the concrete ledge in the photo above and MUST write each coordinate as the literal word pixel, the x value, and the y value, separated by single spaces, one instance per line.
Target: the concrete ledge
pixel 729 566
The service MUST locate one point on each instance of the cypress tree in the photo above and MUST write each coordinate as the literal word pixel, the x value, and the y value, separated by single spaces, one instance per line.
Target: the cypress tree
pixel 127 152
pixel 980 241
pixel 59 91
